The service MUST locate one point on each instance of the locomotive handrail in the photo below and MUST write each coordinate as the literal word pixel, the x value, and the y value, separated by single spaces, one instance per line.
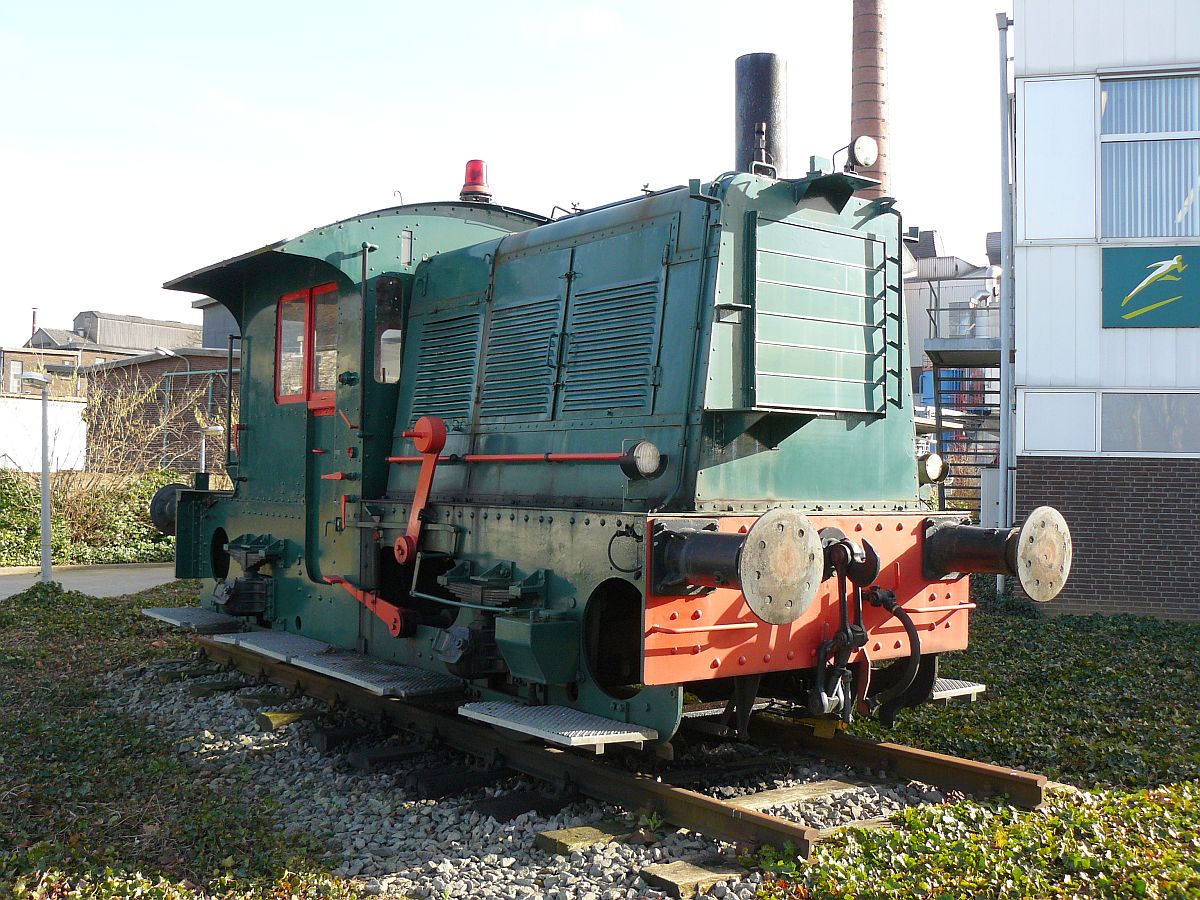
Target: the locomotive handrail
pixel 457 458
pixel 692 629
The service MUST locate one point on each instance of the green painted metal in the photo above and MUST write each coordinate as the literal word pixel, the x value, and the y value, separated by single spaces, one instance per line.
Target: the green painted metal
pixel 751 328
pixel 545 651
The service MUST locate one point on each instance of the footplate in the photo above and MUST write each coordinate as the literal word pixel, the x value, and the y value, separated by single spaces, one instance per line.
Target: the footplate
pixel 196 619
pixel 384 679
pixel 947 689
pixel 558 724
pixel 281 645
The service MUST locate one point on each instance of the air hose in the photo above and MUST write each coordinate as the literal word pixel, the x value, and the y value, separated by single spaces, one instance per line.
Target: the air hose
pixel 885 699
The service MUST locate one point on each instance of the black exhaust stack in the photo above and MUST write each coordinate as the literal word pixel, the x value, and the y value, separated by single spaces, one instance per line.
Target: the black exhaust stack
pixel 760 114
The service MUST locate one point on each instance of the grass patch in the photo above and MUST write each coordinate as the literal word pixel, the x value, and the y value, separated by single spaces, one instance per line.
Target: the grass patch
pixel 96 805
pixel 1111 844
pixel 1093 701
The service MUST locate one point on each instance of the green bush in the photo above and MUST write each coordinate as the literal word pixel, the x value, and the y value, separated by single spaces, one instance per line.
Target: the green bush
pixel 88 525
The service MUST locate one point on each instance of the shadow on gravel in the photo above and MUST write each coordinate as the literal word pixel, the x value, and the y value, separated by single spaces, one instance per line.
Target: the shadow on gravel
pixel 96 802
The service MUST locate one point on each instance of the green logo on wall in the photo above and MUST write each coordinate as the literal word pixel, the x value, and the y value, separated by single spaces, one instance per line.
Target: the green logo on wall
pixel 1151 287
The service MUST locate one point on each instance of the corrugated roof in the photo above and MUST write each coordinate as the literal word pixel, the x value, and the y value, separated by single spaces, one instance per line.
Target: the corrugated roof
pixel 140 320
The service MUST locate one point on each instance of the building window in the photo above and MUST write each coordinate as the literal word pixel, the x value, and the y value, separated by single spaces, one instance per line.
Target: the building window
pixel 306 348
pixel 1150 423
pixel 15 371
pixel 1150 157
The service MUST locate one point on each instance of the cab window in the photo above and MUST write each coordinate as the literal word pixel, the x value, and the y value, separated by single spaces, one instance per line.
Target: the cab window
pixel 389 328
pixel 290 340
pixel 306 348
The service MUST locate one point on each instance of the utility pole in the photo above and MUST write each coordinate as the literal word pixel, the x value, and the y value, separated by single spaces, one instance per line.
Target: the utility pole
pixel 43 380
pixel 1003 23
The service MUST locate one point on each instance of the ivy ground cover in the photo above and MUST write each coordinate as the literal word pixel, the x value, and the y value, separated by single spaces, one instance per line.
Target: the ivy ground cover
pixel 1110 707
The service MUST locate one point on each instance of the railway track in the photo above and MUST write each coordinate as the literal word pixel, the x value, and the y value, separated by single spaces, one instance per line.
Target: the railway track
pixel 739 820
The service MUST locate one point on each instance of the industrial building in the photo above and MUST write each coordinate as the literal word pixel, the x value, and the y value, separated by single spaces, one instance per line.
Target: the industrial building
pixel 1107 294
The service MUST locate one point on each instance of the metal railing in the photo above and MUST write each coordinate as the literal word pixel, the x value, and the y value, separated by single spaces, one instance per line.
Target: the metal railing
pixel 964 318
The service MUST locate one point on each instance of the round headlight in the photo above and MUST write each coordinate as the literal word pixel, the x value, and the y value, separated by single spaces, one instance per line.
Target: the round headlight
pixel 931 468
pixel 643 460
pixel 864 151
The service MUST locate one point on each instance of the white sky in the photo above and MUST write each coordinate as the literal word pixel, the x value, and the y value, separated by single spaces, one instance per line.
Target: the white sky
pixel 142 140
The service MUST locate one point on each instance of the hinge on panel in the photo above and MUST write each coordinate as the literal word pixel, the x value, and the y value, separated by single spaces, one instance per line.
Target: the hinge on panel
pixel 655 375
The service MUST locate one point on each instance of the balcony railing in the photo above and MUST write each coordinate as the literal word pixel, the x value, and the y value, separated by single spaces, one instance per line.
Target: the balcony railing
pixel 965 319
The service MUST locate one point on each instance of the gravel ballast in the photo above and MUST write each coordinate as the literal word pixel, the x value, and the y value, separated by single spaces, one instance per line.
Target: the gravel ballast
pixel 397 845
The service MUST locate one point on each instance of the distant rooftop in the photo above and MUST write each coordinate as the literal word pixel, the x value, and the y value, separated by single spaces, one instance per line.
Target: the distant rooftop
pixel 191 352
pixel 140 320
pixel 116 333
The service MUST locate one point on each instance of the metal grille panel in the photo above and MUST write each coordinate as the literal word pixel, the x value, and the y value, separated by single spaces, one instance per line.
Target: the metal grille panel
pixel 946 688
pixel 612 339
pixel 521 361
pixel 196 619
pixel 557 724
pixel 280 645
pixel 382 678
pixel 445 379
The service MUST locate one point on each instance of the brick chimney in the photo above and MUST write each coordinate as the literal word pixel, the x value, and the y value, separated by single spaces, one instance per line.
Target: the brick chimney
pixel 868 87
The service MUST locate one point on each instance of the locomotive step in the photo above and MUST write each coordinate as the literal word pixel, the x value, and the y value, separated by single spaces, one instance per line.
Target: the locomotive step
pixel 946 689
pixel 384 679
pixel 558 724
pixel 195 619
pixel 281 645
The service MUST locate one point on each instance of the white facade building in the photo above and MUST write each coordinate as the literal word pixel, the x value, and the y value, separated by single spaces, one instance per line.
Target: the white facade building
pixel 1107 270
pixel 21 433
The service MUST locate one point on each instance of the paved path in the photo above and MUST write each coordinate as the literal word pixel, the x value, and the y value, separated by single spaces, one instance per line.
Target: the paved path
pixel 99 581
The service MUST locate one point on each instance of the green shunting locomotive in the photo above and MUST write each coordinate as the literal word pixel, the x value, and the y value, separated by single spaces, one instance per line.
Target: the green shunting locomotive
pixel 566 472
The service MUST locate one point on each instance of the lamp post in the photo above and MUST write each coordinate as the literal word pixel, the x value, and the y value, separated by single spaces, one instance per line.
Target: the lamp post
pixel 171 354
pixel 44 381
pixel 205 431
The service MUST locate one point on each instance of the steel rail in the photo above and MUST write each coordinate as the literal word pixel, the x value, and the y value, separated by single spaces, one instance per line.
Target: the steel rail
pixel 638 793
pixel 1024 789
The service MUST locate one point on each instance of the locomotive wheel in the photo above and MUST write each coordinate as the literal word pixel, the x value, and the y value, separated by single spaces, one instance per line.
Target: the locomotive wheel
pixel 781 566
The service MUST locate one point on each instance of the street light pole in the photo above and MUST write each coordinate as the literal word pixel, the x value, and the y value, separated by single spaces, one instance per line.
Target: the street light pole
pixel 1003 22
pixel 44 381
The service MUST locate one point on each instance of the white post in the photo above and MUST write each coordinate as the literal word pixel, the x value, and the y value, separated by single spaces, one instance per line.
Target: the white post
pixel 1003 22
pixel 203 449
pixel 46 482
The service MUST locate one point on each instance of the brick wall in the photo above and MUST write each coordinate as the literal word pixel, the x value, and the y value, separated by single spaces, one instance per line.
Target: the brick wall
pixel 1134 522
pixel 177 393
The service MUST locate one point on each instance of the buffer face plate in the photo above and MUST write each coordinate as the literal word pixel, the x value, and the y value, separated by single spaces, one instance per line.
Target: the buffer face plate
pixel 558 724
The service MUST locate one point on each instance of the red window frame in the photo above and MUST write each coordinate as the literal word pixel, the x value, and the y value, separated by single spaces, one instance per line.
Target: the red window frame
pixel 321 403
pixel 294 297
